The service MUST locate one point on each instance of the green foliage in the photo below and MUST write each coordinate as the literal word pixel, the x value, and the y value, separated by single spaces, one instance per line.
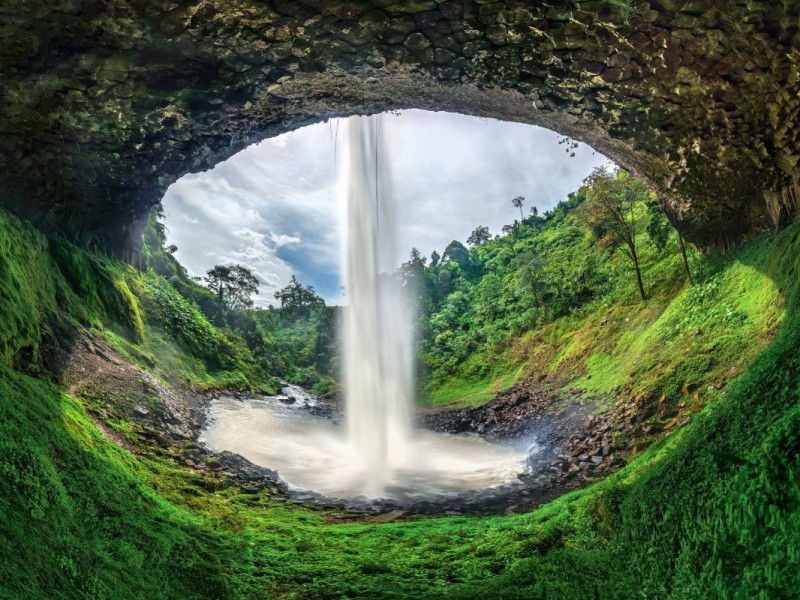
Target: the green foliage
pixel 711 511
pixel 155 254
pixel 457 253
pixel 47 284
pixel 233 285
pixel 547 297
pixel 612 211
pixel 78 521
pixel 298 301
pixel 295 342
pixel 169 310
pixel 479 235
pixel 302 349
pixel 475 302
pixel 658 227
pixel 209 356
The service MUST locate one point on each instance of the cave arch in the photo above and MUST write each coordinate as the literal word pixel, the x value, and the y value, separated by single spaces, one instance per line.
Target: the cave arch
pixel 107 103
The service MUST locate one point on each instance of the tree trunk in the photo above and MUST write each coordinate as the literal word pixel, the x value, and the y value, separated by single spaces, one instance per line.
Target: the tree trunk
pixel 638 272
pixel 685 259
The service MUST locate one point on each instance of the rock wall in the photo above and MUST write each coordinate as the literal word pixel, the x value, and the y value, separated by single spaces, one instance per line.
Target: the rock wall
pixel 106 103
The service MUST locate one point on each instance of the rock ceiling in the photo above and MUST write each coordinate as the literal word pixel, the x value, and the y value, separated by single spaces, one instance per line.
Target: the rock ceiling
pixel 106 103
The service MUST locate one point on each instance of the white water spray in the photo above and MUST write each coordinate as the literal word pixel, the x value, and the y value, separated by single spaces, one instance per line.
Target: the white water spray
pixel 378 340
pixel 376 454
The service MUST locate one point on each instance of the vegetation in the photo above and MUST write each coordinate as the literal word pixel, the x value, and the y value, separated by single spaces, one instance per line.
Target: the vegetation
pixel 611 210
pixel 295 342
pixel 709 511
pixel 557 297
pixel 477 237
pixel 233 286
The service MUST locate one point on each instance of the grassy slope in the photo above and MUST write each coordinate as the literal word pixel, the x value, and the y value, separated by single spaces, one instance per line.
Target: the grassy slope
pixel 697 336
pixel 700 336
pixel 712 511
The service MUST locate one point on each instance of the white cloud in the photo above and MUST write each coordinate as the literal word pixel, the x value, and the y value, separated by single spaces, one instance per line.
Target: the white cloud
pixel 274 208
pixel 283 240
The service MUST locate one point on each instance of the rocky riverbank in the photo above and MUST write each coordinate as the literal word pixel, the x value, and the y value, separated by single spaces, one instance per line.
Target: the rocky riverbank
pixel 572 443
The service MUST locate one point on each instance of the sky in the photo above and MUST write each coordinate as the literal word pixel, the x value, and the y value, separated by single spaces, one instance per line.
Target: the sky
pixel 274 207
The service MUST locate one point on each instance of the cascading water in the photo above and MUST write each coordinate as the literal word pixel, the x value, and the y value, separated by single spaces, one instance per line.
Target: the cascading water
pixel 376 454
pixel 378 342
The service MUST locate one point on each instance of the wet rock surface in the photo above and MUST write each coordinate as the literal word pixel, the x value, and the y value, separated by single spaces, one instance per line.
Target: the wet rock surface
pixel 516 413
pixel 106 104
pixel 237 467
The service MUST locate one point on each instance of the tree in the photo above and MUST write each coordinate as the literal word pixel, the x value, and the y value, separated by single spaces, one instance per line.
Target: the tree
pixel 518 202
pixel 298 300
pixel 233 286
pixel 530 268
pixel 413 271
pixel 659 229
pixel 456 252
pixel 478 236
pixel 534 212
pixel 658 226
pixel 610 212
pixel 435 258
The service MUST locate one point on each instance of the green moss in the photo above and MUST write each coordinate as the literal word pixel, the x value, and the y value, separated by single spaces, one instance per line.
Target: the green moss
pixel 712 511
pixel 78 520
pixel 473 393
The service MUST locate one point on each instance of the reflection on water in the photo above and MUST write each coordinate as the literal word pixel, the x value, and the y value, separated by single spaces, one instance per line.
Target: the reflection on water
pixel 311 453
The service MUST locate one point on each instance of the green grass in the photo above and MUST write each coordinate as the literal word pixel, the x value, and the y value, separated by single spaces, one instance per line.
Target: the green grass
pixel 78 519
pixel 711 511
pixel 699 336
pixel 471 393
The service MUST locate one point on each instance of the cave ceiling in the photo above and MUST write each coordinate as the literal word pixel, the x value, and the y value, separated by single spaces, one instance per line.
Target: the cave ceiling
pixel 106 103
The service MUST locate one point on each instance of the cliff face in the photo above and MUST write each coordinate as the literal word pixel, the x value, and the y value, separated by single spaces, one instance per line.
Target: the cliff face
pixel 104 104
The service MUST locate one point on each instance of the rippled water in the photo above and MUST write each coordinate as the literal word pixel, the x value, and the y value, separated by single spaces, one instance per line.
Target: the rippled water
pixel 312 453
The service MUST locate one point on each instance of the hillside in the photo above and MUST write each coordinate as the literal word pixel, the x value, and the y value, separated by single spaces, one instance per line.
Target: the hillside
pixel 547 300
pixel 710 510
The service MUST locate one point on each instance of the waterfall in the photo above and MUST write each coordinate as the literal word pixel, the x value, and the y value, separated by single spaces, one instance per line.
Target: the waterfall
pixel 378 341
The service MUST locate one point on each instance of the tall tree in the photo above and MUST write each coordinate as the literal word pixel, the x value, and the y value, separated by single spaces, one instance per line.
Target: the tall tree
pixel 456 252
pixel 234 285
pixel 659 228
pixel 435 258
pixel 479 236
pixel 518 202
pixel 298 300
pixel 610 211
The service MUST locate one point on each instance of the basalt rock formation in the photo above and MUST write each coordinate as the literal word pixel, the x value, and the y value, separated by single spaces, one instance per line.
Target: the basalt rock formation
pixel 106 103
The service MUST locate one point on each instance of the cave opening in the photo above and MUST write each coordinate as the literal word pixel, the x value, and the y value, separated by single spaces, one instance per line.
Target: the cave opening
pixel 276 209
